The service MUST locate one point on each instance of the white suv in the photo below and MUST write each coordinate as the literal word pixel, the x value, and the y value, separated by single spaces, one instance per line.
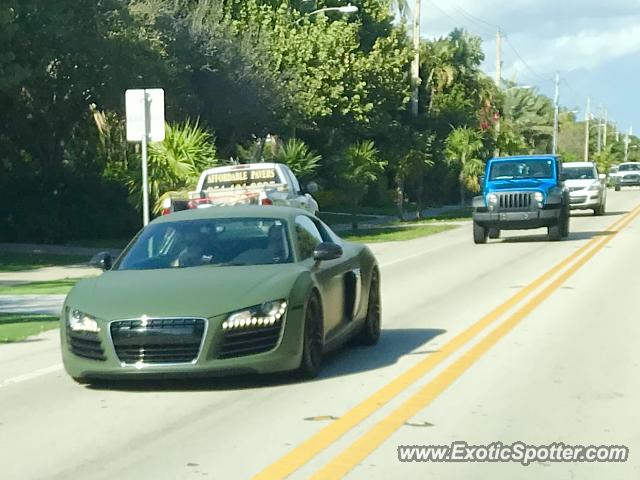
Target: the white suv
pixel 587 189
pixel 628 175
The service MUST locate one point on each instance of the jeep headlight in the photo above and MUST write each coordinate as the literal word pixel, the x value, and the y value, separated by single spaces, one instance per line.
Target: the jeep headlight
pixel 492 200
pixel 81 322
pixel 539 197
pixel 266 314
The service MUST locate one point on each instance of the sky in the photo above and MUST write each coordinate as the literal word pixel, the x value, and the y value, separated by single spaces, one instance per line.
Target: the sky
pixel 593 45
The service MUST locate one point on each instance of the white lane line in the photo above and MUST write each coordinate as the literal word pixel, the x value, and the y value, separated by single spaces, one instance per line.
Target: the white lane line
pixel 31 375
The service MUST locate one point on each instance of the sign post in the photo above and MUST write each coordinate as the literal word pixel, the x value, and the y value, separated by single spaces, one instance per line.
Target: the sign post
pixel 145 123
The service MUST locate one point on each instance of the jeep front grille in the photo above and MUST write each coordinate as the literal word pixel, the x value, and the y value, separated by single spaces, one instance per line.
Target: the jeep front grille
pixel 515 201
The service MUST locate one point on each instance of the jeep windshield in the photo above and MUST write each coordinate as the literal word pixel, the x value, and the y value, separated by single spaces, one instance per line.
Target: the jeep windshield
pixel 518 169
pixel 580 173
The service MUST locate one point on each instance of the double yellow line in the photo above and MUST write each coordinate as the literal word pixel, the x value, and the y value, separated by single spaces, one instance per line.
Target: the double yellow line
pixel 367 443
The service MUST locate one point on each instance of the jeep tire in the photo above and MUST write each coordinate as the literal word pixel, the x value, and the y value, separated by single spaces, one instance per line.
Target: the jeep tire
pixel 479 233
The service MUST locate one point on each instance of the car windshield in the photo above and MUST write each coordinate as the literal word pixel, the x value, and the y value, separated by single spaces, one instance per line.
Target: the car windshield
pixel 217 241
pixel 580 173
pixel 241 178
pixel 516 169
pixel 629 167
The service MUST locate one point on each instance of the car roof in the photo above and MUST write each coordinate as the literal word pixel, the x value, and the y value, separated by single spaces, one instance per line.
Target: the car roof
pixel 541 156
pixel 627 163
pixel 239 211
pixel 578 164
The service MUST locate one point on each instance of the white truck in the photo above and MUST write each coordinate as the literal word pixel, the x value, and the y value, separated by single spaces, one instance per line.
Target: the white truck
pixel 245 184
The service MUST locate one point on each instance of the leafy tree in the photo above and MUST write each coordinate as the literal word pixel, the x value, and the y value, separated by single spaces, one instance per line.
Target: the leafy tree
pixel 360 168
pixel 462 148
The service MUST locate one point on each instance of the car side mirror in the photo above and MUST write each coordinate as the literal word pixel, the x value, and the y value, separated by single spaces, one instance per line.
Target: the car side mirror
pixel 102 260
pixel 312 187
pixel 327 251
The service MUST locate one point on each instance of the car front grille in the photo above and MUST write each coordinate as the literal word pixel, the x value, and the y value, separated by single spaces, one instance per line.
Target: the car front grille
pixel 85 345
pixel 580 199
pixel 515 201
pixel 575 189
pixel 158 340
pixel 631 178
pixel 249 341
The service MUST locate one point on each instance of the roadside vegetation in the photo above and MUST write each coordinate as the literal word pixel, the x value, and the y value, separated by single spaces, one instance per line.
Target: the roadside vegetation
pixel 15 327
pixel 394 233
pixel 54 287
pixel 19 261
pixel 245 81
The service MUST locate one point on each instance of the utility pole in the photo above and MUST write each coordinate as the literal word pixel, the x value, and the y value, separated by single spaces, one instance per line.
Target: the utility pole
pixel 587 117
pixel 599 128
pixel 415 66
pixel 498 83
pixel 604 133
pixel 627 140
pixel 556 114
pixel 499 59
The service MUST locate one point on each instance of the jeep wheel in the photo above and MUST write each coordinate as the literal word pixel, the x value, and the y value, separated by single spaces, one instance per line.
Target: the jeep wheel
pixel 555 231
pixel 479 233
pixel 494 233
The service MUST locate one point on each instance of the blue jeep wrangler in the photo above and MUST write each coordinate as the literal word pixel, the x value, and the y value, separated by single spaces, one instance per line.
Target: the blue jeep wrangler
pixel 521 193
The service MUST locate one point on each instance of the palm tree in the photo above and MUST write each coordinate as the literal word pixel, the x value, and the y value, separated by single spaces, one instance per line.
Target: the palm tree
pixel 176 163
pixel 298 157
pixel 462 147
pixel 360 168
pixel 531 115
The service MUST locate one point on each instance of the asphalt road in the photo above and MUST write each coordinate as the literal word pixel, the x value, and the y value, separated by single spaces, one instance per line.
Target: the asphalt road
pixel 481 344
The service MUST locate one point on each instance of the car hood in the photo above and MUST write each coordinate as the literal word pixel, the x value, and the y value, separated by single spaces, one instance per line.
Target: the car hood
pixel 580 183
pixel 190 292
pixel 521 183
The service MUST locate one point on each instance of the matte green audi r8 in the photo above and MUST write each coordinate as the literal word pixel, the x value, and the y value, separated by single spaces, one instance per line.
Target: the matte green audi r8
pixel 221 291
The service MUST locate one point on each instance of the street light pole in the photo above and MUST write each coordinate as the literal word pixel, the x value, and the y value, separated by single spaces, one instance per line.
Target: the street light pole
pixel 347 9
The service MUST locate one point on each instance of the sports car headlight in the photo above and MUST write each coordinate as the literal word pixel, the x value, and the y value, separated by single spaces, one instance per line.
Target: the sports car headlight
pixel 595 186
pixel 539 197
pixel 492 200
pixel 81 322
pixel 264 315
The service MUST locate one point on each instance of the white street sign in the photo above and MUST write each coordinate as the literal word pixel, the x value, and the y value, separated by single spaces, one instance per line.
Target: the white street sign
pixel 145 123
pixel 135 108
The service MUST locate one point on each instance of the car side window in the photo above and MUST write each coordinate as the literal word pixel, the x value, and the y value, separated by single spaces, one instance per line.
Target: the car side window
pixel 294 181
pixel 327 234
pixel 309 237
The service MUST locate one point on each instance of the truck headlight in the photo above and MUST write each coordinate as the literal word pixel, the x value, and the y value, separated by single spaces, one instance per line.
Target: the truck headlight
pixel 492 200
pixel 81 322
pixel 539 197
pixel 266 314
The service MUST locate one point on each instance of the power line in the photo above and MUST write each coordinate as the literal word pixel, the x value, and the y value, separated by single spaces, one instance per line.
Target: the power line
pixel 483 33
pixel 474 18
pixel 540 77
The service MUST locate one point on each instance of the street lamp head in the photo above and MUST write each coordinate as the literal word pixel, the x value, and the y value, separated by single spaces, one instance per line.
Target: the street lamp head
pixel 348 9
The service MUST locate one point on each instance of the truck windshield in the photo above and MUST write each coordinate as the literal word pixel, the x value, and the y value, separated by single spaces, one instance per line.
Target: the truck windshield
pixel 241 178
pixel 580 173
pixel 515 169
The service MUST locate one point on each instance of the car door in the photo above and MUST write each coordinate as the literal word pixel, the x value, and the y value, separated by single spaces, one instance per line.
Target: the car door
pixel 329 275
